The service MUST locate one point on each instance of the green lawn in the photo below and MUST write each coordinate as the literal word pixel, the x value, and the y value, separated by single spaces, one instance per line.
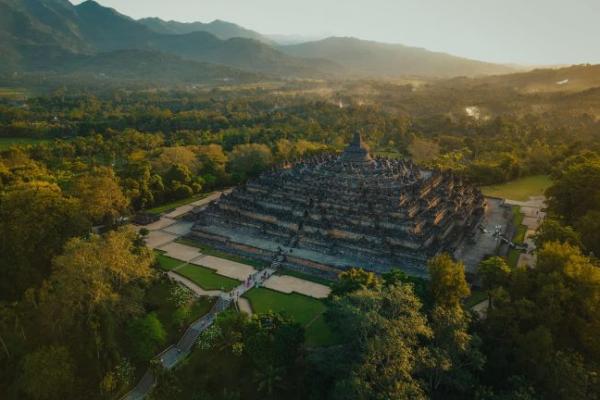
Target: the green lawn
pixel 305 310
pixel 174 204
pixel 207 278
pixel 167 263
pixel 519 189
pixel 211 251
pixel 6 143
pixel 519 236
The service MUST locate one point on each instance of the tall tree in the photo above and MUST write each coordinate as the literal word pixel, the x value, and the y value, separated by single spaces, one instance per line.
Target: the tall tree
pixel 493 272
pixel 383 330
pixel 49 373
pixel 354 279
pixel 101 196
pixel 448 284
pixel 36 219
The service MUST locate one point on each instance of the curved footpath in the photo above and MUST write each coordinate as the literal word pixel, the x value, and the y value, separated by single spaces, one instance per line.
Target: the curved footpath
pixel 174 354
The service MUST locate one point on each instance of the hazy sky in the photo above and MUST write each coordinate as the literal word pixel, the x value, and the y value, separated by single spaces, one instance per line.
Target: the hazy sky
pixel 518 31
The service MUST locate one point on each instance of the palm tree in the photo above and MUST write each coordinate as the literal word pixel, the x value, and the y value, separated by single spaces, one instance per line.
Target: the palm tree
pixel 269 379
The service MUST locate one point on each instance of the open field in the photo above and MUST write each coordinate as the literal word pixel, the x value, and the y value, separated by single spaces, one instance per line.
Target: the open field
pixel 207 278
pixel 520 189
pixel 5 143
pixel 305 310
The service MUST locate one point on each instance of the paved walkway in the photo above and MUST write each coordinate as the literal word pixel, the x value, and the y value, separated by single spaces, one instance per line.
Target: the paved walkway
pixel 481 308
pixel 182 210
pixel 192 286
pixel 171 356
pixel 228 268
pixel 244 305
pixel 162 236
pixel 289 284
pixel 533 215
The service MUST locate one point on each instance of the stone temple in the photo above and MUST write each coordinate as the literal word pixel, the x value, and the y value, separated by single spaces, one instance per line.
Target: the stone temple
pixel 332 212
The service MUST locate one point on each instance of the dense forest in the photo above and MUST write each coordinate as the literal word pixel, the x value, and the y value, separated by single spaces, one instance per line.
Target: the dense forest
pixel 75 165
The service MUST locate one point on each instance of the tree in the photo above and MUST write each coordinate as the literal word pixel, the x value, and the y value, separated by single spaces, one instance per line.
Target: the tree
pixel 93 290
pixel 589 228
pixel 177 175
pixel 543 326
pixel 576 192
pixel 448 284
pixel 493 272
pixel 398 277
pixel 455 358
pixel 146 335
pixel 48 373
pixel 213 160
pixel 354 279
pixel 101 196
pixel 552 230
pixel 382 330
pixel 177 155
pixel 36 219
pixel 249 160
pixel 269 380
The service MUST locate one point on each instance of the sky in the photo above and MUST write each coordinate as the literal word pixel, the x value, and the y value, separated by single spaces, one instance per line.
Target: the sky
pixel 527 32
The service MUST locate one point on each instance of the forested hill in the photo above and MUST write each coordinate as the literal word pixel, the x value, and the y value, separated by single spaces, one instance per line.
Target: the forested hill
pixel 362 57
pixel 568 79
pixel 221 29
pixel 46 35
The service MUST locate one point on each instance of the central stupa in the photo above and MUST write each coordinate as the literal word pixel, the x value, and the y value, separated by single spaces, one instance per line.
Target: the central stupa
pixel 333 211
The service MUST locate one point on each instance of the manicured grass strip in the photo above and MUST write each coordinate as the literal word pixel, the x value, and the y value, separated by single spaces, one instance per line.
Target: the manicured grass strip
pixel 174 204
pixel 211 251
pixel 513 257
pixel 207 278
pixel 6 143
pixel 308 277
pixel 519 189
pixel 304 310
pixel 518 216
pixel 167 263
pixel 519 236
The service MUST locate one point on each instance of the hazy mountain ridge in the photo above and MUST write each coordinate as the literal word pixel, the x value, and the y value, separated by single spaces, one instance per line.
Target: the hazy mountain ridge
pixel 222 29
pixel 363 57
pixel 566 79
pixel 93 28
pixel 48 34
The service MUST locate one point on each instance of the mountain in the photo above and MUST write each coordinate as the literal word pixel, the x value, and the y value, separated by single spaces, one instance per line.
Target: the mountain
pixel 109 30
pixel 367 58
pixel 49 35
pixel 574 78
pixel 140 65
pixel 45 34
pixel 221 29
